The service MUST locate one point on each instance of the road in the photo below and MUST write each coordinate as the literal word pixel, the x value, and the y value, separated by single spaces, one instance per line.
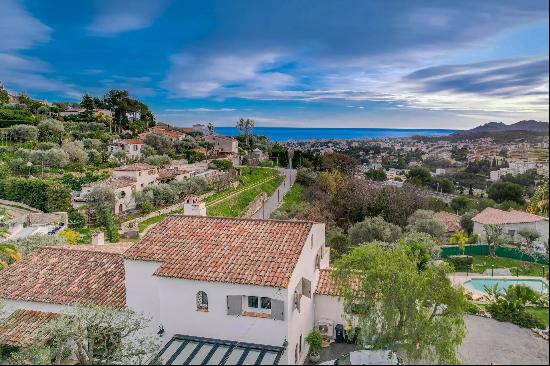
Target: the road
pixel 277 197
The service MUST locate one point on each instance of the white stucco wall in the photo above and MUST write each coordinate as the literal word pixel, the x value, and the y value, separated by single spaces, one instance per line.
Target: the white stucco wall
pixel 142 290
pixel 11 305
pixel 302 322
pixel 540 226
pixel 329 308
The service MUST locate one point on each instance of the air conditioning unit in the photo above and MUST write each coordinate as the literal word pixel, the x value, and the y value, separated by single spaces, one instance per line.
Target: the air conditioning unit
pixel 326 328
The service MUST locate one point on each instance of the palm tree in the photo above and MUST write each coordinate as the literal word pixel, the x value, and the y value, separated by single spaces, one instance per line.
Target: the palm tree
pixel 10 251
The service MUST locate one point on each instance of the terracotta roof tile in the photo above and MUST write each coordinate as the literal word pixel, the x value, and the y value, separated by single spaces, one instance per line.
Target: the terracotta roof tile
pixel 495 216
pixel 326 285
pixel 449 220
pixel 63 275
pixel 244 251
pixel 135 167
pixel 22 326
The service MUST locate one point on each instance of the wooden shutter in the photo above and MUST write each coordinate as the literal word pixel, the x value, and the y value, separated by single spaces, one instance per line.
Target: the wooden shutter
pixel 234 305
pixel 306 287
pixel 317 262
pixel 297 299
pixel 299 287
pixel 277 309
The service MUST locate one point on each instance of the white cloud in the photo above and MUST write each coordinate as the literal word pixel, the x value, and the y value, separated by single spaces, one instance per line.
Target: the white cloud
pixel 18 29
pixel 114 17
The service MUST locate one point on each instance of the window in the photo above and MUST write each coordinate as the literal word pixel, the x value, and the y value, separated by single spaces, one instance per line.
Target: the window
pixel 512 233
pixel 253 302
pixel 266 303
pixel 300 343
pixel 202 301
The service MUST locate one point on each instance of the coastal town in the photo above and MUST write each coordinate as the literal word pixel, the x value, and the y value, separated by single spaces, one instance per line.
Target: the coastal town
pixel 117 211
pixel 324 188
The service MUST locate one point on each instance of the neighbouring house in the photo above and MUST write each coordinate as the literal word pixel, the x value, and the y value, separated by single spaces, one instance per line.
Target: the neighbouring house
pixel 450 221
pixel 124 189
pixel 199 127
pixel 255 157
pixel 166 131
pixel 513 222
pixel 223 145
pixel 243 290
pixel 132 147
pixel 125 181
pixel 36 223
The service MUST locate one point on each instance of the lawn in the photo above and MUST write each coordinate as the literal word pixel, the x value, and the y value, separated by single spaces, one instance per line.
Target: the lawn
pixel 540 313
pixel 292 199
pixel 481 263
pixel 246 180
pixel 153 220
pixel 236 205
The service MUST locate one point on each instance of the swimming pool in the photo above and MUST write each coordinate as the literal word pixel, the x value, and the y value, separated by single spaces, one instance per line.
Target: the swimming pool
pixel 478 284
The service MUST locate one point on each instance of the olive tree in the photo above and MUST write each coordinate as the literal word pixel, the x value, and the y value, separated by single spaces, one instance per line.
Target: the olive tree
pixel 424 221
pixel 22 133
pixel 100 198
pixel 416 313
pixel 99 335
pixel 530 236
pixel 30 243
pixel 494 234
pixel 373 229
pixel 158 160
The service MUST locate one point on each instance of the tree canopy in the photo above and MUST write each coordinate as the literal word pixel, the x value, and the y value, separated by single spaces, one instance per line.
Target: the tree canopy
pixel 415 313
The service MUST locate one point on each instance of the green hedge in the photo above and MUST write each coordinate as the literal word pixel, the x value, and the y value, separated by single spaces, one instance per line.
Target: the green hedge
pixel 483 249
pixel 45 195
pixel 461 262
pixel 4 123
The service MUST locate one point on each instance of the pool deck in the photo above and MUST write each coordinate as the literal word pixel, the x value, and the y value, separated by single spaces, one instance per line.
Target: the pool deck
pixel 459 278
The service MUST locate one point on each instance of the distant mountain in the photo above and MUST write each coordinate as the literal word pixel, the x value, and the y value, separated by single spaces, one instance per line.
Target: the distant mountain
pixel 530 125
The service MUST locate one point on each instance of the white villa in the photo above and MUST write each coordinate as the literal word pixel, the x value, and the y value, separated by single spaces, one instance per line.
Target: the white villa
pixel 125 181
pixel 218 290
pixel 513 222
pixel 132 147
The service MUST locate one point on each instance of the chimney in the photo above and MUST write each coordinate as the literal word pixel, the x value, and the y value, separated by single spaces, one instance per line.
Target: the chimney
pixel 98 238
pixel 193 206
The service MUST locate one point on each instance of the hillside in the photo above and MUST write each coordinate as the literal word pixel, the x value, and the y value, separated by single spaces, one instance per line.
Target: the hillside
pixel 530 126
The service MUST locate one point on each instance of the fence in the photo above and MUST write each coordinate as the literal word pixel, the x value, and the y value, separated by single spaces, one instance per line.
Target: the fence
pixel 483 249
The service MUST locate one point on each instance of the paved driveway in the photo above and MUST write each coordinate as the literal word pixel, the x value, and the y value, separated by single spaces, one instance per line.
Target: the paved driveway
pixel 491 342
pixel 277 197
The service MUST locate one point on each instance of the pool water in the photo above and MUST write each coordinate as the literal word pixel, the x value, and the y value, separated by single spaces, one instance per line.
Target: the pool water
pixel 479 284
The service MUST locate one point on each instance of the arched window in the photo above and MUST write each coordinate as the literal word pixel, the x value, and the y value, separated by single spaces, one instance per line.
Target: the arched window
pixel 202 301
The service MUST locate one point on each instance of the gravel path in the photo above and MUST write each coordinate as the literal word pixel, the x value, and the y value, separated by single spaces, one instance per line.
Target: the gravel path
pixel 491 342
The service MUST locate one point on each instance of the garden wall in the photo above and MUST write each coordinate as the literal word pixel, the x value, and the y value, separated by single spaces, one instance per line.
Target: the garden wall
pixel 483 249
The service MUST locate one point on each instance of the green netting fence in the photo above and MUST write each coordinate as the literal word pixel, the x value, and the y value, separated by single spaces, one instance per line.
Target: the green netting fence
pixel 483 249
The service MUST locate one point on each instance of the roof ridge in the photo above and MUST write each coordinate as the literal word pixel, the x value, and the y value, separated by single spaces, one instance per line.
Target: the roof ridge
pixel 246 219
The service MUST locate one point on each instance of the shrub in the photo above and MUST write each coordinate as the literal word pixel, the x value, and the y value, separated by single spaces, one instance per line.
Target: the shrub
pixel 471 308
pixel 71 236
pixel 510 305
pixel 315 341
pixel 222 164
pixel 76 219
pixel 373 229
pixel 46 195
pixel 111 231
pixel 461 262
pixel 22 133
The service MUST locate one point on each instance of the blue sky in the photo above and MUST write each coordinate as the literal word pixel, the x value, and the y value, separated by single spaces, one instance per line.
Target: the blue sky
pixel 402 64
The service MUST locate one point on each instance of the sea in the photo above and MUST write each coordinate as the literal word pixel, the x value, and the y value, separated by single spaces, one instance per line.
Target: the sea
pixel 282 134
